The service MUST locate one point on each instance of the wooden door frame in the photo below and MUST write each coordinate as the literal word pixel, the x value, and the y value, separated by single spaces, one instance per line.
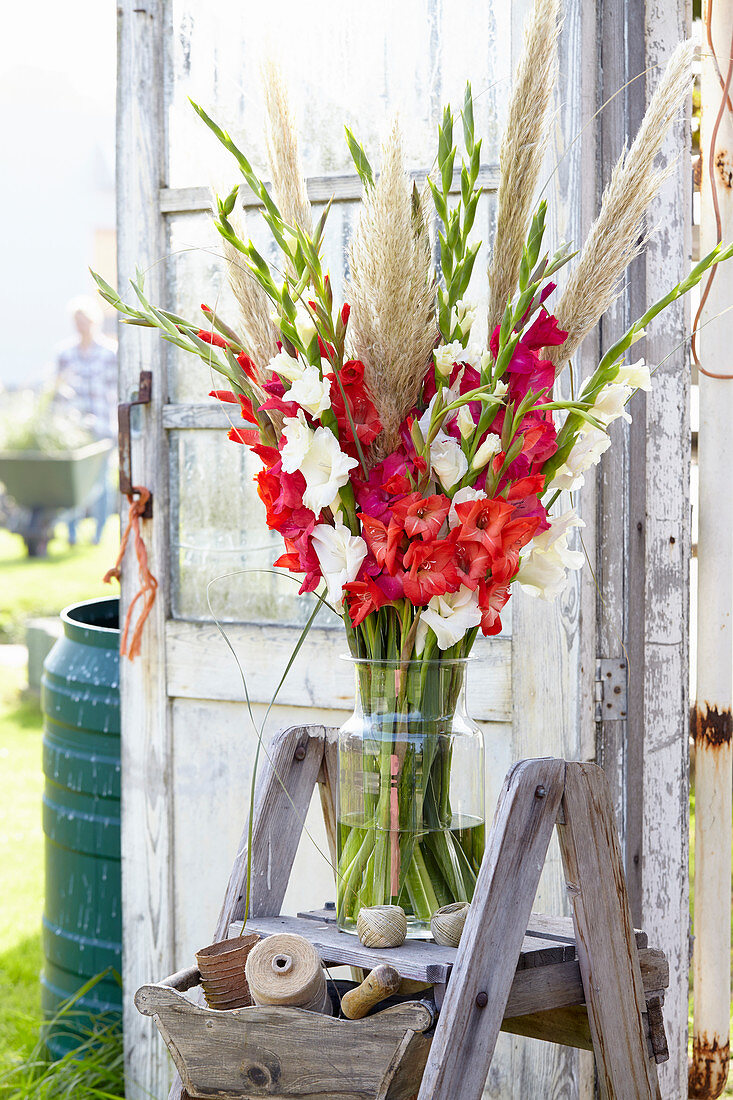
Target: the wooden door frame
pixel 147 843
pixel 641 754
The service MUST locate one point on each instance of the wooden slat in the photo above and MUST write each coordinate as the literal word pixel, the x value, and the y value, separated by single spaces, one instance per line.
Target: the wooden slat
pixel 321 189
pixel 284 789
pixel 666 568
pixel 210 415
pixel 607 953
pixel 643 560
pixel 568 1026
pixel 466 1033
pixel 148 931
pixel 559 928
pixel 200 667
pixel 541 926
pixel 418 960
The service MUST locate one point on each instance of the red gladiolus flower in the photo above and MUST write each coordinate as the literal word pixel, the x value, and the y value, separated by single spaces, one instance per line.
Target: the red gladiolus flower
pixel 301 558
pixel 224 395
pixel 472 563
pixel 269 455
pixel 352 372
pixel 526 487
pixel 249 367
pixel 345 312
pixel 382 540
pixel 210 337
pixel 426 517
pixel 248 412
pixel 482 521
pixel 491 599
pixel 363 597
pixel 432 569
pixel 363 414
pixel 544 332
pixel 243 435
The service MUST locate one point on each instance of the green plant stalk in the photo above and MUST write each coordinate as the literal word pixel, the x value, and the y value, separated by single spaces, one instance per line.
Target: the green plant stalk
pixel 433 866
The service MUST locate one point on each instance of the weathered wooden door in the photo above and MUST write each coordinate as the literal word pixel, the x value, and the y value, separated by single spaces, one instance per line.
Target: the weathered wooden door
pixel 188 742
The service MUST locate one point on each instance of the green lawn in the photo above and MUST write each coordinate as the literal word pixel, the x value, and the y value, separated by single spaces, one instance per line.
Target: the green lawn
pixel 21 862
pixel 40 586
pixel 43 586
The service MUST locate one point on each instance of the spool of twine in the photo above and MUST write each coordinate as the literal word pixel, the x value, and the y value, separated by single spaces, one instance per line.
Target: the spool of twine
pixel 382 925
pixel 286 969
pixel 447 923
pixel 222 968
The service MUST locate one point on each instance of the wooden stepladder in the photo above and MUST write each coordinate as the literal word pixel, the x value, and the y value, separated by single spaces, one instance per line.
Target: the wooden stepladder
pixel 603 990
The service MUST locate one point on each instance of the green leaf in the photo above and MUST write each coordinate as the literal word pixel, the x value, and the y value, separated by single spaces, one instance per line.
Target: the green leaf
pixel 360 159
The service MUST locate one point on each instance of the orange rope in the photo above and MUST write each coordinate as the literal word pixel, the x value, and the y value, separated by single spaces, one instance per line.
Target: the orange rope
pixel 725 89
pixel 148 583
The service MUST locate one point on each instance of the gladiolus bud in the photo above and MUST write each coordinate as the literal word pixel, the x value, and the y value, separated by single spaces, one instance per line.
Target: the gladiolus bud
pixel 490 447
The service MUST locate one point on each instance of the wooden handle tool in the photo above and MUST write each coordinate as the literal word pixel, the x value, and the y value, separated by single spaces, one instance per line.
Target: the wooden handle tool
pixel 382 982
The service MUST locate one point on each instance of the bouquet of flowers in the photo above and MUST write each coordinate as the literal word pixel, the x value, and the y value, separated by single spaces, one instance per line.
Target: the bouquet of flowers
pixel 411 469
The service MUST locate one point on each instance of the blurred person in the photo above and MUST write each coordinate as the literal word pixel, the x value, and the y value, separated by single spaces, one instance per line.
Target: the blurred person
pixel 87 380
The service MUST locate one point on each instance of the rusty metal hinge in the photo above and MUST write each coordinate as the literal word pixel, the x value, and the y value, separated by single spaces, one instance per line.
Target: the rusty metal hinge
pixel 611 689
pixel 144 394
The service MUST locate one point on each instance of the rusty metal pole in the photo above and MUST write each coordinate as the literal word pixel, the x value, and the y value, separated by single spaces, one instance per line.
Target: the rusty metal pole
pixel 713 775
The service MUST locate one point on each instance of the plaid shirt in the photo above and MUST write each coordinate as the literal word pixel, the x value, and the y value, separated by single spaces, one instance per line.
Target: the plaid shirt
pixel 89 377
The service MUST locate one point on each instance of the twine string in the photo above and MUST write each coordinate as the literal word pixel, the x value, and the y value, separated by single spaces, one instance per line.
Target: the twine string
pixel 138 500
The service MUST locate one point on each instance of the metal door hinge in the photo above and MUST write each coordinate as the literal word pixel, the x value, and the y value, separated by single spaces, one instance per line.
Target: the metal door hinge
pixel 611 689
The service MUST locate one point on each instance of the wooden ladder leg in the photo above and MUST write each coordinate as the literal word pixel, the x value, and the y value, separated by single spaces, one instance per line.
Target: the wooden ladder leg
pixel 487 958
pixel 289 769
pixel 607 952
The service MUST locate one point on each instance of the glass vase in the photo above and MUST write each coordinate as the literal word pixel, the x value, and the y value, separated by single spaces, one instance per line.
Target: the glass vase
pixel 411 825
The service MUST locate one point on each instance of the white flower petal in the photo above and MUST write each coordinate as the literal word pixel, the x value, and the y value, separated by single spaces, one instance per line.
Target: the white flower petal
pixel 543 572
pixel 311 392
pixel 452 615
pixel 447 460
pixel 490 447
pixel 339 554
pixel 637 375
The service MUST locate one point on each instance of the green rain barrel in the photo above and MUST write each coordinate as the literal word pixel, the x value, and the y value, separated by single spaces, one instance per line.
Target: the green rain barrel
pixel 82 925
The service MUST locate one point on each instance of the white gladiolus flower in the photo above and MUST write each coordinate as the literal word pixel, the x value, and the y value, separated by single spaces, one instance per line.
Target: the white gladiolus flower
pixel 285 366
pixel 339 554
pixel 500 389
pixel 465 421
pixel 543 572
pixel 464 314
pixel 310 391
pixel 320 460
pixel 586 452
pixel 304 324
pixel 424 421
pixel 446 355
pixel 467 493
pixel 611 403
pixel 449 617
pixel 636 375
pixel 490 447
pixel 299 438
pixel 447 460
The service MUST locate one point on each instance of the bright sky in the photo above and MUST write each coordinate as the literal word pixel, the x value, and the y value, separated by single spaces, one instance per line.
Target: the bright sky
pixel 74 40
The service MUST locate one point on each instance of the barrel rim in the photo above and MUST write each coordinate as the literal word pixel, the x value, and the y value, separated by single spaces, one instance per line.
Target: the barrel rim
pixel 78 631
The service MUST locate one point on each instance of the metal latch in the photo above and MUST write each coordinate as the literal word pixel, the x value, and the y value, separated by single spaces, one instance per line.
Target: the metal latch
pixel 144 393
pixel 611 689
